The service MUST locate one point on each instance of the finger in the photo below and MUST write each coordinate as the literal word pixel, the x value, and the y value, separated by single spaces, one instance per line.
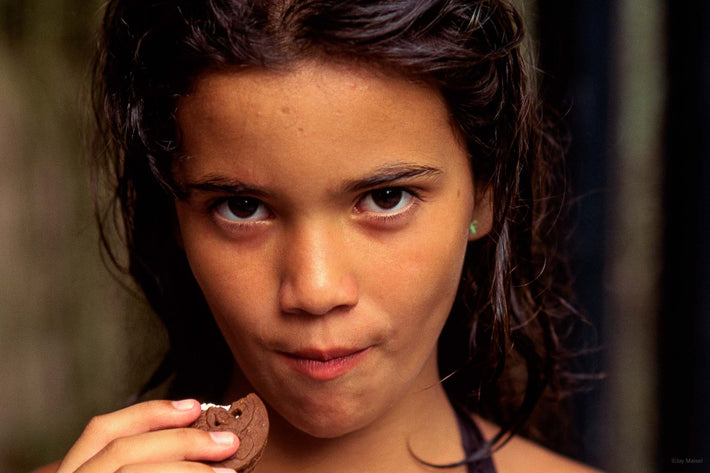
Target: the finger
pixel 171 445
pixel 139 418
pixel 174 467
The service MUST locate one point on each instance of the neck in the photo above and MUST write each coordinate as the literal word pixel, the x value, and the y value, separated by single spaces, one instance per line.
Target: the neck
pixel 423 422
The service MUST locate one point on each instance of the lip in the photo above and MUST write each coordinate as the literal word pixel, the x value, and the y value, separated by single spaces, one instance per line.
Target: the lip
pixel 324 365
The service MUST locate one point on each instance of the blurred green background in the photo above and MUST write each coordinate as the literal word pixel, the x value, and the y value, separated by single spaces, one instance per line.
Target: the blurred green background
pixel 70 337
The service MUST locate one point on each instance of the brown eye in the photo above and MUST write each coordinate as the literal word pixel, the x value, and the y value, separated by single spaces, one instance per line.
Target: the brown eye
pixel 388 200
pixel 242 208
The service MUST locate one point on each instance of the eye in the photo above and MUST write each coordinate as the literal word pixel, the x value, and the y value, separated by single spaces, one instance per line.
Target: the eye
pixel 241 208
pixel 389 200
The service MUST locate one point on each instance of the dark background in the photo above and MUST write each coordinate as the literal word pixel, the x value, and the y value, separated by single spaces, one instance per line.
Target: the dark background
pixel 631 79
pixel 603 59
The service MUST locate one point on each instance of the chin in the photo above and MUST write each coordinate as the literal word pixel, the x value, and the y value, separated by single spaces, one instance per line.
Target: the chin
pixel 327 427
pixel 327 420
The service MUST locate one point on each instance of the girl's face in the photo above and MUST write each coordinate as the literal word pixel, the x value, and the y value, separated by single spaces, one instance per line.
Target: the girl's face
pixel 326 222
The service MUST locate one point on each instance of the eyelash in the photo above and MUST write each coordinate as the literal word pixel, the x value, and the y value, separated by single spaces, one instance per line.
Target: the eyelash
pixel 381 217
pixel 390 217
pixel 213 209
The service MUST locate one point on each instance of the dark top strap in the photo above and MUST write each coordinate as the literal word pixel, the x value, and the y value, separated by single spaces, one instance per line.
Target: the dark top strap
pixel 473 444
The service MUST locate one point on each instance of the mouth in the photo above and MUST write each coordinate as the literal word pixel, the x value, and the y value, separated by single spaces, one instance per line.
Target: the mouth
pixel 324 365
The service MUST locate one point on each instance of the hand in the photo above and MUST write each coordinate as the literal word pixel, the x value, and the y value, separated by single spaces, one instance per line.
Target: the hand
pixel 151 436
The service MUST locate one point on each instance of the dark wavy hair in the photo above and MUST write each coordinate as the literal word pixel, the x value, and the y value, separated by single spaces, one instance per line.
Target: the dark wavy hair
pixel 502 344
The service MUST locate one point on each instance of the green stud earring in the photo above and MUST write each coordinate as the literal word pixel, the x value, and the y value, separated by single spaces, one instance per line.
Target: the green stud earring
pixel 472 227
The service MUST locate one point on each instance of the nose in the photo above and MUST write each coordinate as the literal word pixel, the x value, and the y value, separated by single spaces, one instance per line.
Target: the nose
pixel 316 277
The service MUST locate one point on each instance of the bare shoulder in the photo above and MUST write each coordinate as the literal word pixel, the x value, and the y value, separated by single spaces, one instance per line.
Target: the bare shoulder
pixel 51 468
pixel 521 455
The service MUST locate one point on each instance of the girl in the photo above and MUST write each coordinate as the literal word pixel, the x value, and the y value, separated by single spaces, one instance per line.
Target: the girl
pixel 337 205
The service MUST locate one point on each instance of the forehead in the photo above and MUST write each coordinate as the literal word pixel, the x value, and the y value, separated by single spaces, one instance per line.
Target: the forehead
pixel 314 112
pixel 342 88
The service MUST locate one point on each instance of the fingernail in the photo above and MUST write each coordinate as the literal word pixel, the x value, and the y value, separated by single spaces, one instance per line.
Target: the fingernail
pixel 184 405
pixel 223 438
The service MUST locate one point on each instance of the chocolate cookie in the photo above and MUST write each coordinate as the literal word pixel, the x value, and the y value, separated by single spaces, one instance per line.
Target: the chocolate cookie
pixel 248 420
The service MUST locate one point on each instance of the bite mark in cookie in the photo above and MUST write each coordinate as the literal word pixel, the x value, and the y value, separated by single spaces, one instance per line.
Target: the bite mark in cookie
pixel 247 419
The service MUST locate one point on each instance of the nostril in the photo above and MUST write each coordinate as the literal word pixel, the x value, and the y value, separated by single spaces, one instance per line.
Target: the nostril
pixel 299 298
pixel 317 271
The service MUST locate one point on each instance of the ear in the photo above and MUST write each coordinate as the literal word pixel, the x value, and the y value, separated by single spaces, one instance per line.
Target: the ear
pixel 482 216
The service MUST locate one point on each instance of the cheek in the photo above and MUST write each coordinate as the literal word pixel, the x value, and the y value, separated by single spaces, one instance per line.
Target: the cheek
pixel 235 283
pixel 234 286
pixel 241 303
pixel 421 278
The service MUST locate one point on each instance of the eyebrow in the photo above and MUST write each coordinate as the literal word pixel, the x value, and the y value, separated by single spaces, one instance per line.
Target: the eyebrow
pixel 223 185
pixel 390 173
pixel 378 177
